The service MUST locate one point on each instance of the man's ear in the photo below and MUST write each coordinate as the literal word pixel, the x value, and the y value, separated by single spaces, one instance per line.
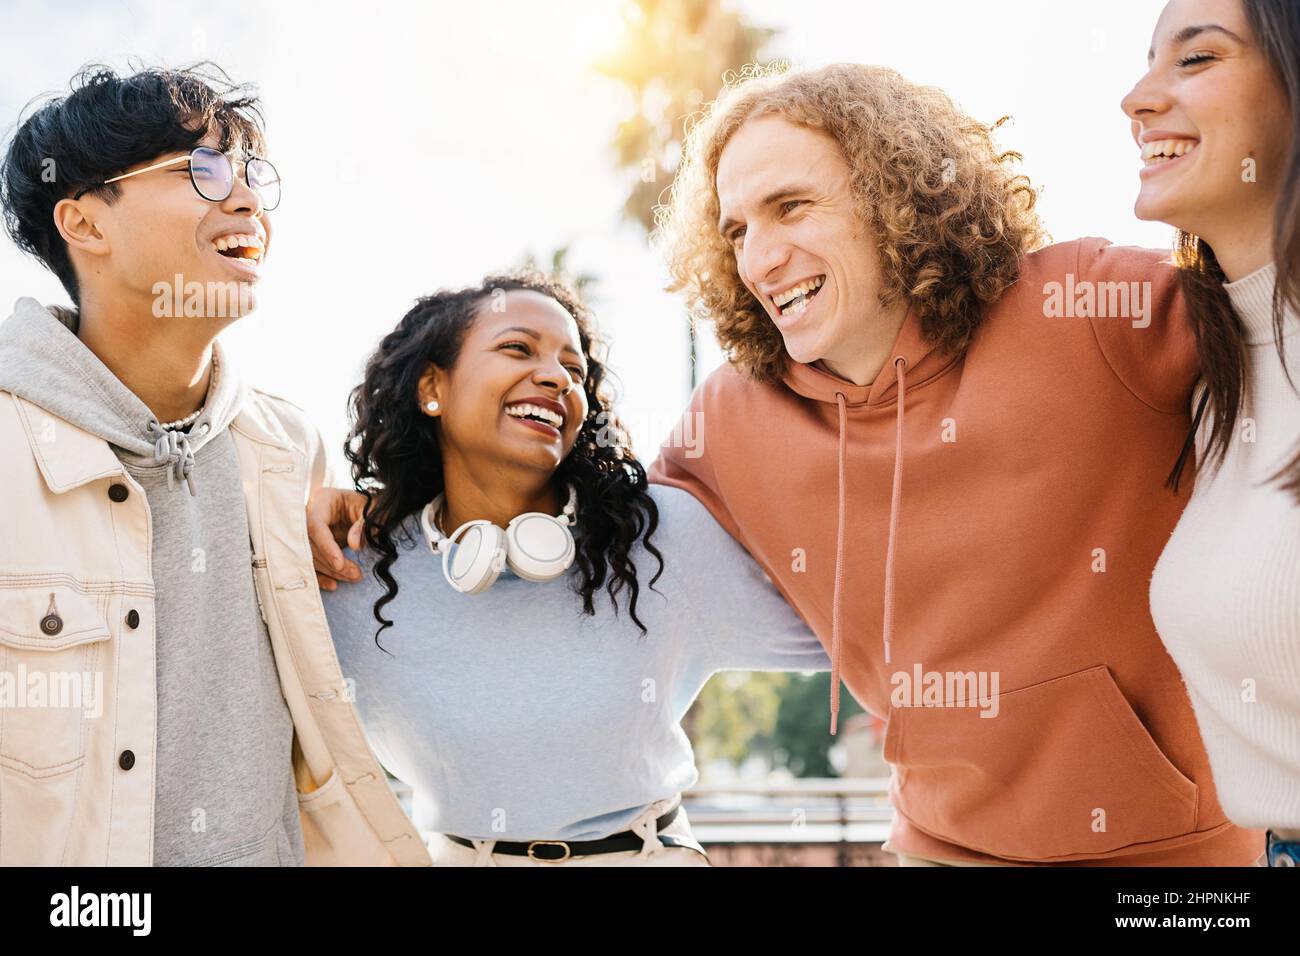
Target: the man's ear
pixel 432 388
pixel 73 219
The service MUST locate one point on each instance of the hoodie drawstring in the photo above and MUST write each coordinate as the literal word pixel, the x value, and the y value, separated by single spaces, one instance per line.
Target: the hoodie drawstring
pixel 172 447
pixel 895 497
pixel 900 365
pixel 839 574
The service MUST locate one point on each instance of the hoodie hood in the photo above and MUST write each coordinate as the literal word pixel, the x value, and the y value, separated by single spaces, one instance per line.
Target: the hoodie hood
pixel 912 360
pixel 923 360
pixel 43 361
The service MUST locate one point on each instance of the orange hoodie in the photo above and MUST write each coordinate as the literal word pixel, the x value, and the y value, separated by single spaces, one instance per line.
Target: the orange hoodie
pixel 996 514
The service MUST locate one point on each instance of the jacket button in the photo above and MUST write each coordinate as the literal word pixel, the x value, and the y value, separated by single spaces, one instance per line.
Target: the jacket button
pixel 127 760
pixel 51 624
pixel 118 491
pixel 133 619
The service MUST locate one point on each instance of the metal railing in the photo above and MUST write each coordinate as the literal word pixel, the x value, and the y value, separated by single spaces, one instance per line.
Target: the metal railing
pixel 821 802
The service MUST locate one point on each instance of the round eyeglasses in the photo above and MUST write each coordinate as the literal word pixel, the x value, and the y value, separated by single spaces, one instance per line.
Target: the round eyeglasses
pixel 213 175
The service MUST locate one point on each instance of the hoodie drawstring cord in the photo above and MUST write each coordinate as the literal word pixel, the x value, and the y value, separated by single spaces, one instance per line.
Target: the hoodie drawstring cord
pixel 839 573
pixel 171 447
pixel 900 365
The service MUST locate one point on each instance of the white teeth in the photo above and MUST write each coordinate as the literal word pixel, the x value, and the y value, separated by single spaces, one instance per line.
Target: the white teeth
pixel 1163 150
pixel 522 409
pixel 241 241
pixel 238 241
pixel 793 293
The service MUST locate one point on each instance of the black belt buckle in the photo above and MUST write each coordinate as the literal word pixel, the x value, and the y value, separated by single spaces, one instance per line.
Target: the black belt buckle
pixel 532 853
pixel 626 840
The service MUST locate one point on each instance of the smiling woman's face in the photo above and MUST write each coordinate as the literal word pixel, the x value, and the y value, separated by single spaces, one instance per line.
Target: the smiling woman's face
pixel 515 396
pixel 1211 118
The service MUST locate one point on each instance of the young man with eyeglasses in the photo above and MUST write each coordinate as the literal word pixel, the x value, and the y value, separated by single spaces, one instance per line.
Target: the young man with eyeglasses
pixel 168 689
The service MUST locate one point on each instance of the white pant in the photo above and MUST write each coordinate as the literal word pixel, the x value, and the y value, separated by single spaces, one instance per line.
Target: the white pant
pixel 446 852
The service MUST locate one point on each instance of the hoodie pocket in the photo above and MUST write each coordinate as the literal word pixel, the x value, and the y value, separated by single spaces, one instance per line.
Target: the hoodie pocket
pixel 1065 769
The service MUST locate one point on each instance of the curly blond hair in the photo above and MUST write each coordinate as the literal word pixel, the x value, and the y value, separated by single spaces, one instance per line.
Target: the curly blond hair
pixel 950 217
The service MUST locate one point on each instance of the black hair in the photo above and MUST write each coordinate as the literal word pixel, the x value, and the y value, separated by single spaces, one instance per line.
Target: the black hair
pixel 104 125
pixel 397 461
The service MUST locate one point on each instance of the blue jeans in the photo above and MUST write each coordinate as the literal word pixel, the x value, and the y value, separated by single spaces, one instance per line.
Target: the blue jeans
pixel 1282 852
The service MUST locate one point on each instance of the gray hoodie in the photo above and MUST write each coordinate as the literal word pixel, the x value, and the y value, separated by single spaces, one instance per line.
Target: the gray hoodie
pixel 224 788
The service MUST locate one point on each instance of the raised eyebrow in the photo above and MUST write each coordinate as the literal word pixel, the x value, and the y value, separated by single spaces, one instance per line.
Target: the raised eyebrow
pixel 536 336
pixel 1189 33
pixel 775 196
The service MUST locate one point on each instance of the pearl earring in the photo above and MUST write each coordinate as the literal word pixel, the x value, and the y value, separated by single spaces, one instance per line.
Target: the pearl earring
pixel 431 405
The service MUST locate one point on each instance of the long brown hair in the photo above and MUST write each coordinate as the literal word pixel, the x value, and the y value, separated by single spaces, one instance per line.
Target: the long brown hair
pixel 1220 336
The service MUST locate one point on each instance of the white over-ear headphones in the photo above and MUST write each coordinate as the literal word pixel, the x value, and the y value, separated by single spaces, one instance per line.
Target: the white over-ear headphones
pixel 537 546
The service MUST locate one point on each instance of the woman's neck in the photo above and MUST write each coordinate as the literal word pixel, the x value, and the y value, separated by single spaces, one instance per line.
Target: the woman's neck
pixel 495 496
pixel 1243 247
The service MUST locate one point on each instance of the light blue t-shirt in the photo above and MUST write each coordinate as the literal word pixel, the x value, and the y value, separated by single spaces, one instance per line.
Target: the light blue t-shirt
pixel 513 715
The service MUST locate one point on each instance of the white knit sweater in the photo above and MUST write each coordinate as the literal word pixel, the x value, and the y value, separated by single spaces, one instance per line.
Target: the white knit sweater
pixel 1225 594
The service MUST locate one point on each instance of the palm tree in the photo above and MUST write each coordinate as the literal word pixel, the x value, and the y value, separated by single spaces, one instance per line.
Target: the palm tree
pixel 581 282
pixel 672 58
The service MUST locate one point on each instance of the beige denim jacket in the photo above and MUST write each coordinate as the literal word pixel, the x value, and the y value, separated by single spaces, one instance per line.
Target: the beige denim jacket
pixel 77 605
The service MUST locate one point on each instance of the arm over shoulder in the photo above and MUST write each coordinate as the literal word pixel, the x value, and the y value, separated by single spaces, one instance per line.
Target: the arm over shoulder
pixel 741 620
pixel 1149 344
pixel 684 462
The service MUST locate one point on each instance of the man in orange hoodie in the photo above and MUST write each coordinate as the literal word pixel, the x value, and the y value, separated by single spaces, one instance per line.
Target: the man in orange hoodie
pixel 947 444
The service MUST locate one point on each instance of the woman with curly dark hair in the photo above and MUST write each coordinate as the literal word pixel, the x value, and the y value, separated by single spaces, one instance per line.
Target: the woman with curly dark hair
pixel 506 519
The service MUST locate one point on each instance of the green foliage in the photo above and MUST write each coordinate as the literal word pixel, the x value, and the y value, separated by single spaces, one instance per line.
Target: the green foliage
pixel 735 714
pixel 802 737
pixel 582 282
pixel 672 58
pixel 785 717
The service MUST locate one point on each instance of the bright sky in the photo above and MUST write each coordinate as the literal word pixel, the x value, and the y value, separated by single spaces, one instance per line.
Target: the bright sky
pixel 426 144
